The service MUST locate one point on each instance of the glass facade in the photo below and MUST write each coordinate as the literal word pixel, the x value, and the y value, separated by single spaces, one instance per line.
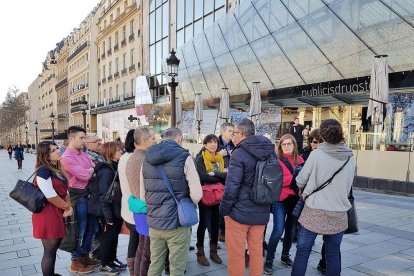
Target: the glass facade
pixel 285 43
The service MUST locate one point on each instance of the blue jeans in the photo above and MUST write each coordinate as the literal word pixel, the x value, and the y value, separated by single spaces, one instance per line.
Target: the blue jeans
pixel 332 243
pixel 88 226
pixel 282 221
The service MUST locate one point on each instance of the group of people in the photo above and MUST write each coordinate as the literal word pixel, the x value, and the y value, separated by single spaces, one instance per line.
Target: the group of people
pixel 112 184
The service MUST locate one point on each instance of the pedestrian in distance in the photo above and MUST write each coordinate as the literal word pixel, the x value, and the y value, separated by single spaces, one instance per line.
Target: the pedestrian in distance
pixel 325 212
pixel 245 220
pixel 143 138
pixel 79 169
pixel 165 230
pixel 19 155
pixel 48 224
pixel 210 168
pixel 10 152
pixel 283 221
pixel 296 130
pixel 109 207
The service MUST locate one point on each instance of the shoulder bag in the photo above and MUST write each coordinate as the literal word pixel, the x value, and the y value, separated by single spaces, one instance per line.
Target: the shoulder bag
pixel 112 195
pixel 187 213
pixel 71 239
pixel 28 195
pixel 301 202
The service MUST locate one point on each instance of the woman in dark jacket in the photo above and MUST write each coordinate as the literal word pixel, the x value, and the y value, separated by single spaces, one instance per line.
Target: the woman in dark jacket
pixel 210 168
pixel 106 174
pixel 18 155
pixel 314 139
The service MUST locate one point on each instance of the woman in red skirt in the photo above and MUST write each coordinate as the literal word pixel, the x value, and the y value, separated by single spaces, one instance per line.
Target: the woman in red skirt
pixel 49 225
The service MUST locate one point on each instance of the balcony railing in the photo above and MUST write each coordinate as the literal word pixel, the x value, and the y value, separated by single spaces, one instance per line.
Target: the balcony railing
pixel 131 37
pixel 63 115
pixel 129 97
pixel 114 101
pixel 132 68
pixel 124 71
pixel 77 51
pixel 109 52
pixel 116 47
pixel 61 84
pixel 110 78
pixel 123 43
pixel 116 75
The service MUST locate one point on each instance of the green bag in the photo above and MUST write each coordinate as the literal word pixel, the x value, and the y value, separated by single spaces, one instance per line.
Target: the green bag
pixel 137 205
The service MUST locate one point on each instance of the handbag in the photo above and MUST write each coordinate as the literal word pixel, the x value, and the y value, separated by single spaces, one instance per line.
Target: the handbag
pixel 71 239
pixel 29 195
pixel 212 194
pixel 301 202
pixel 114 191
pixel 187 213
pixel 352 216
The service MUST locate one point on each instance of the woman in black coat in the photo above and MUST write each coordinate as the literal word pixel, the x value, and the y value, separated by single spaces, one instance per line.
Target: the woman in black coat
pixel 18 155
pixel 210 168
pixel 109 208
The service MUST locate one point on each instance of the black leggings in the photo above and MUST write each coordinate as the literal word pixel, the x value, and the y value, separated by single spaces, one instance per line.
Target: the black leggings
pixel 133 240
pixel 49 256
pixel 208 215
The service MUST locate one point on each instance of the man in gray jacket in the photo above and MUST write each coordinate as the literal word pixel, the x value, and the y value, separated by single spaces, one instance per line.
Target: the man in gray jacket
pixel 162 216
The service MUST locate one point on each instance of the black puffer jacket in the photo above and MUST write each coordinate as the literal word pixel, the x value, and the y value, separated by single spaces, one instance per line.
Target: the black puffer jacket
pixel 105 173
pixel 236 201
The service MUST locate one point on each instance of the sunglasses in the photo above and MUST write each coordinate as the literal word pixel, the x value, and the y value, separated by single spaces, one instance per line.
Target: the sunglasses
pixel 315 142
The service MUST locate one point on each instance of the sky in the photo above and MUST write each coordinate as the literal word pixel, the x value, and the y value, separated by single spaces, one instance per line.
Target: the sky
pixel 29 29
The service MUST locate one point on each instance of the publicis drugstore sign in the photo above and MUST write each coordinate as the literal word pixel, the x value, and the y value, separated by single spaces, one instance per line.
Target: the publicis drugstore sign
pixel 347 86
pixel 333 88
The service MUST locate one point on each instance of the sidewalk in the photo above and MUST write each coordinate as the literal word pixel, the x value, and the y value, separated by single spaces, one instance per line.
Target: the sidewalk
pixel 383 246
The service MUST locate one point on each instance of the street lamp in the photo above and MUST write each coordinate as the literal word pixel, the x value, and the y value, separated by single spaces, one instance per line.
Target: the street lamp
pixel 84 106
pixel 52 120
pixel 27 139
pixel 173 63
pixel 36 124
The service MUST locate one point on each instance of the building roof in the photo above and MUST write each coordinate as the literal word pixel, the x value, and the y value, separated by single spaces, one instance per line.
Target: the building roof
pixel 284 43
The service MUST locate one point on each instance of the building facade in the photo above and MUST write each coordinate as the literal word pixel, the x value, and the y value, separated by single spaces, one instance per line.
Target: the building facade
pixel 61 87
pixel 35 109
pixel 48 124
pixel 82 71
pixel 119 45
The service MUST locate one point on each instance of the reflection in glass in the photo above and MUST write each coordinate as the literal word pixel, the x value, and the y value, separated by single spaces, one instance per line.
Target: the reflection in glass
pixel 165 19
pixel 180 14
pixel 152 59
pixel 158 21
pixel 180 38
pixel 208 6
pixel 208 20
pixel 219 13
pixel 158 53
pixel 220 3
pixel 188 11
pixel 198 9
pixel 198 27
pixel 188 33
pixel 152 28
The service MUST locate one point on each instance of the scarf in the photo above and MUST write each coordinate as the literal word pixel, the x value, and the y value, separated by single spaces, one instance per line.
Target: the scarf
pixel 209 159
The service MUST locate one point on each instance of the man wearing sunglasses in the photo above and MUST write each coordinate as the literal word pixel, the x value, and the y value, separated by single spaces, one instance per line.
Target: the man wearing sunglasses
pixel 93 145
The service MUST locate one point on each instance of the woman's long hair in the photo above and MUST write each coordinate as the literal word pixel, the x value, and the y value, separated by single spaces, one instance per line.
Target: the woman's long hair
pixel 295 147
pixel 43 159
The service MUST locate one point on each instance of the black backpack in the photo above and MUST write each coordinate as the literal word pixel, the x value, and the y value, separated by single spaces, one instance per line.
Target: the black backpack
pixel 268 181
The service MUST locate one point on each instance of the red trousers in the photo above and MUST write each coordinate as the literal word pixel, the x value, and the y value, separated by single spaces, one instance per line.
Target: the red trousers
pixel 236 236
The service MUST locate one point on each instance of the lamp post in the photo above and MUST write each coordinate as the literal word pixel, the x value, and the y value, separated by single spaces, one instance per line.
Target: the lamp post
pixel 27 139
pixel 36 124
pixel 52 120
pixel 84 107
pixel 173 63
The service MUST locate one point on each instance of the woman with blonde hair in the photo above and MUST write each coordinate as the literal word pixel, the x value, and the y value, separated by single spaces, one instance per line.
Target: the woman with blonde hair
pixel 283 221
pixel 48 224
